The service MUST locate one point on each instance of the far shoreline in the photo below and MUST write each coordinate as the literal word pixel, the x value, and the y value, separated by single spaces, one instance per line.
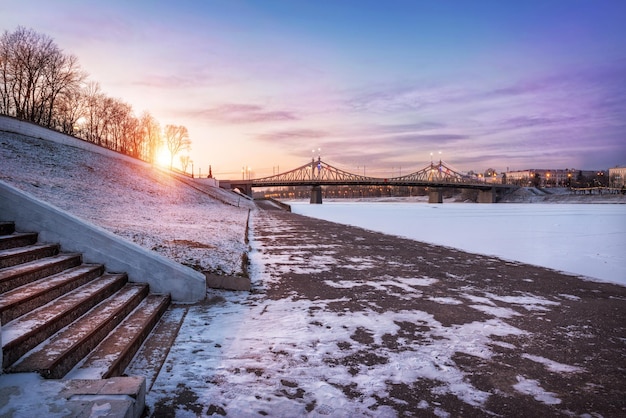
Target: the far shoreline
pixel 559 196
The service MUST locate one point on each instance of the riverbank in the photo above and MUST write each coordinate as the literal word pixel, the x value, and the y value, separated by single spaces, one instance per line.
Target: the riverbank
pixel 522 195
pixel 561 195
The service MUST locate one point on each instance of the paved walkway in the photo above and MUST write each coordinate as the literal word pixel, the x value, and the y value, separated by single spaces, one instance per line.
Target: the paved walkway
pixel 401 328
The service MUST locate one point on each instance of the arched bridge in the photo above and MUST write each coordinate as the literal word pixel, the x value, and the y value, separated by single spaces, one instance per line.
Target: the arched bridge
pixel 435 176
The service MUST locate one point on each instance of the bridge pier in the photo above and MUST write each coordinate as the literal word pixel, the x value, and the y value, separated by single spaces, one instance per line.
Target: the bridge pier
pixel 316 195
pixel 435 195
pixel 487 196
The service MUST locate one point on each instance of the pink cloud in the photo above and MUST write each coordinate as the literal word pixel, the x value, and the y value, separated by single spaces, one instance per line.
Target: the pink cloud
pixel 237 113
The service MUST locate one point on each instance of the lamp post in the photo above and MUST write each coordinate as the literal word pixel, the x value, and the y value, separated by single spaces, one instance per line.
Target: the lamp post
pixel 191 161
pixel 569 179
pixel 319 162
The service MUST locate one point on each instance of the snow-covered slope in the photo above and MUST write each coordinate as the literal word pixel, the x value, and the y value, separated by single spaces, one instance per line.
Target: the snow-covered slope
pixel 141 203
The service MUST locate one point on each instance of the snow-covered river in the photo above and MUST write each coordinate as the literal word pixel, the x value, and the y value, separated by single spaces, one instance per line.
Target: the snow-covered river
pixel 584 239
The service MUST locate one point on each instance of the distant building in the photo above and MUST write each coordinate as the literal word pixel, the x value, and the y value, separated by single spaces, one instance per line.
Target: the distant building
pixel 541 177
pixel 521 178
pixel 617 176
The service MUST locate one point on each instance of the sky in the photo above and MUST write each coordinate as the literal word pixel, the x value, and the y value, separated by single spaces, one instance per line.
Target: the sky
pixel 380 87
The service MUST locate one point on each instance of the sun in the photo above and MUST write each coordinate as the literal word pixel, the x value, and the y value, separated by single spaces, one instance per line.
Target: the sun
pixel 163 157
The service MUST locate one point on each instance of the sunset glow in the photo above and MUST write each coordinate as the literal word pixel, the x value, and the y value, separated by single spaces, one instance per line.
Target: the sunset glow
pixel 163 157
pixel 491 84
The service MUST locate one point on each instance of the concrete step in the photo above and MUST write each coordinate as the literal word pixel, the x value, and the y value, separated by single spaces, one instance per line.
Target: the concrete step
pixel 27 395
pixel 116 351
pixel 152 355
pixel 28 331
pixel 18 239
pixel 23 299
pixel 56 313
pixel 58 355
pixel 14 256
pixel 19 275
pixel 7 228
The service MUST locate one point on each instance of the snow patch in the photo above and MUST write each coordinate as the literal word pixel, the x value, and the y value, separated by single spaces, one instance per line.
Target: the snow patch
pixel 552 365
pixel 533 388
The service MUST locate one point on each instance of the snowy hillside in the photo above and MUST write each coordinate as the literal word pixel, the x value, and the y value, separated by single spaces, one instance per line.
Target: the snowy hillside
pixel 136 201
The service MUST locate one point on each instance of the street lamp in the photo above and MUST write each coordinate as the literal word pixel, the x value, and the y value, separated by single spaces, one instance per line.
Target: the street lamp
pixel 569 179
pixel 191 162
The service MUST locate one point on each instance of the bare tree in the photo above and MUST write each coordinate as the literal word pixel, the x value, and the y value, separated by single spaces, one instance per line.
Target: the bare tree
pixel 62 77
pixel 184 163
pixel 39 83
pixel 34 72
pixel 151 132
pixel 118 114
pixel 5 77
pixel 177 140
pixel 95 118
pixel 70 108
pixel 25 52
pixel 132 143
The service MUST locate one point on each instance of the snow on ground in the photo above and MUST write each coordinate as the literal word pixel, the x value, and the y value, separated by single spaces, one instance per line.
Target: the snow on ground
pixel 584 239
pixel 136 201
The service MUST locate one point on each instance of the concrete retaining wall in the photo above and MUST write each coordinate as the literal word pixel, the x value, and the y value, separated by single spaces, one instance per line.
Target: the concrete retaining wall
pixel 207 182
pixel 100 246
pixel 215 281
pixel 280 204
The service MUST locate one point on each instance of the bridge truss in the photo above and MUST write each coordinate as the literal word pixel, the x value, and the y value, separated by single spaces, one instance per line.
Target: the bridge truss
pixel 314 173
pixel 320 173
pixel 440 173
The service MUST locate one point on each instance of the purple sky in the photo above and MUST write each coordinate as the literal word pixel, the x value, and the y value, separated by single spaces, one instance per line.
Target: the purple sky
pixel 374 84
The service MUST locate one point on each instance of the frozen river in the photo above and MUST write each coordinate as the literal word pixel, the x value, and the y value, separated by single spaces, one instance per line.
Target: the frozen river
pixel 584 239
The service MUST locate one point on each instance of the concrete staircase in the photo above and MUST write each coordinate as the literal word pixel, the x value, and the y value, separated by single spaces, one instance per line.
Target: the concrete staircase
pixel 66 319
